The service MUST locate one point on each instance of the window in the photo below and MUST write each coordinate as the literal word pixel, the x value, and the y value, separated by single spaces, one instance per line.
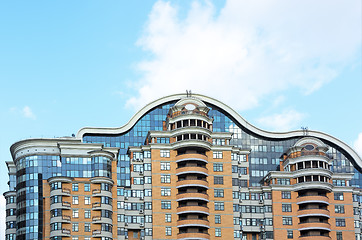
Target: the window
pixel 338 196
pixel 340 222
pixel 286 207
pixel 148 218
pixel 217 219
pixel 217 154
pixel 165 191
pixel 219 193
pixel 75 213
pixel 148 231
pixel 165 204
pixel 219 206
pixel 165 166
pixel 87 214
pixel 75 227
pixel 339 208
pixel 86 187
pixel 339 236
pixel 287 221
pixel 168 217
pixel 87 227
pixel 218 167
pixel 286 195
pixel 290 234
pixel 165 178
pixel 75 200
pixel 165 153
pixel 75 187
pixel 168 231
pixel 87 200
pixel 217 232
pixel 218 180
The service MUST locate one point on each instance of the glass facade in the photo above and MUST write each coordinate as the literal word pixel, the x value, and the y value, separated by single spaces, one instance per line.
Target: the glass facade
pixel 265 153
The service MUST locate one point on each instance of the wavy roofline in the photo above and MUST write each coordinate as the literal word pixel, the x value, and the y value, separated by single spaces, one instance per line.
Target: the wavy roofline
pixel 263 133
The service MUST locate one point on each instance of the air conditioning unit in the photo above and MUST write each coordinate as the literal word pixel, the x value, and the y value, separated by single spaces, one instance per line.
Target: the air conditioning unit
pixel 239 161
pixel 240 174
pixel 141 198
pixel 240 200
pixel 141 172
pixel 126 224
pixel 125 198
pixel 142 225
pixel 126 237
pixel 141 211
pixel 142 238
pixel 261 201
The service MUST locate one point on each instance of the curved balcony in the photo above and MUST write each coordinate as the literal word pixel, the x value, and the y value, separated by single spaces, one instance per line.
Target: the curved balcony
pixel 100 220
pixel 192 183
pixel 59 179
pixel 199 236
pixel 314 237
pixel 62 205
pixel 61 192
pixel 101 234
pixel 199 170
pixel 193 223
pixel 102 180
pixel 192 143
pixel 10 205
pixel 313 212
pixel 60 233
pixel 313 199
pixel 191 156
pixel 313 185
pixel 63 219
pixel 314 226
pixel 192 196
pixel 97 206
pixel 100 193
pixel 193 209
pixel 312 171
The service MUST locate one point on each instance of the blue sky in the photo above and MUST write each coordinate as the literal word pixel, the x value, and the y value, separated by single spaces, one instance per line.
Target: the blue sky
pixel 281 64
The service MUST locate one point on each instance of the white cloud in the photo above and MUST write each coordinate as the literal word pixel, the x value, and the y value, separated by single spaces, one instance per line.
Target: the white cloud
pixel 248 50
pixel 28 113
pixel 358 144
pixel 2 215
pixel 285 121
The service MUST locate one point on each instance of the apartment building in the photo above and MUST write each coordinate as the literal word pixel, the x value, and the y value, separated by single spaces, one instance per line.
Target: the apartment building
pixel 184 167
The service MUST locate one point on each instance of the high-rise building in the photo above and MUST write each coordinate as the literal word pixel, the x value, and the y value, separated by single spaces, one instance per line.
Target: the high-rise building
pixel 184 167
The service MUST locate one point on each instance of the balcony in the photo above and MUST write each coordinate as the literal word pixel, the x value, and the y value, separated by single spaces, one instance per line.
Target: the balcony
pixel 314 226
pixel 62 205
pixel 313 199
pixel 192 183
pixel 201 236
pixel 314 237
pixel 97 206
pixel 193 209
pixel 100 193
pixel 63 219
pixel 191 156
pixel 193 223
pixel 200 170
pixel 100 220
pixel 313 212
pixel 192 143
pixel 61 192
pixel 60 233
pixel 192 196
pixel 102 234
pixel 313 185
